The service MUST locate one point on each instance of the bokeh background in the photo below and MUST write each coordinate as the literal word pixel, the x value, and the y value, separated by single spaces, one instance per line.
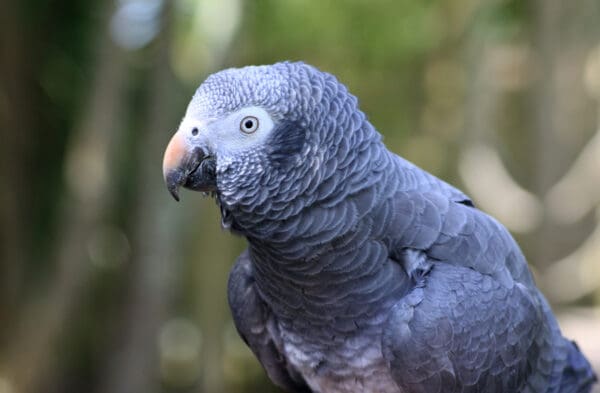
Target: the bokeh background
pixel 108 285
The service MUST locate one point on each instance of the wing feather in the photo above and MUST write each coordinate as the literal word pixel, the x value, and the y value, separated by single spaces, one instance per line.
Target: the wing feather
pixel 256 325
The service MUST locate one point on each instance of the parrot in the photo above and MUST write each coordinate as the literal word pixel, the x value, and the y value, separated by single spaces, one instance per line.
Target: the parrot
pixel 363 272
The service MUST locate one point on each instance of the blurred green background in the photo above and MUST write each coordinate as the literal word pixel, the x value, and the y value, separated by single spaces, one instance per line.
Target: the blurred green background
pixel 108 285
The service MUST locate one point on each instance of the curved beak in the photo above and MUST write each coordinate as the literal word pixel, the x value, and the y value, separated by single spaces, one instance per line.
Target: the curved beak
pixel 174 164
pixel 187 166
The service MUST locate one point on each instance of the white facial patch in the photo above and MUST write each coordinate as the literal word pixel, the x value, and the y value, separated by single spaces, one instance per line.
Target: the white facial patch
pixel 241 130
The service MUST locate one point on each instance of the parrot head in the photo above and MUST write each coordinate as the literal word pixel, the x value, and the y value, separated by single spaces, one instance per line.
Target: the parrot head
pixel 262 135
pixel 227 127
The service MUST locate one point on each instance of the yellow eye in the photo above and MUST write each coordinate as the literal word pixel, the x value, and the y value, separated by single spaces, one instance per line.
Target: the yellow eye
pixel 249 124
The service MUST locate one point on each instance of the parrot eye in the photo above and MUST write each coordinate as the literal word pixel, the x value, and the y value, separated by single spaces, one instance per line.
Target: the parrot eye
pixel 249 124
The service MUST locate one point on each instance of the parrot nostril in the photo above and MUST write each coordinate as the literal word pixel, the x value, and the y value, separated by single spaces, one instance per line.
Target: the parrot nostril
pixel 194 131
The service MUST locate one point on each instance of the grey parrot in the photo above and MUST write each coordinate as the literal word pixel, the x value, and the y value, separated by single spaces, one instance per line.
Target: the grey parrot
pixel 363 272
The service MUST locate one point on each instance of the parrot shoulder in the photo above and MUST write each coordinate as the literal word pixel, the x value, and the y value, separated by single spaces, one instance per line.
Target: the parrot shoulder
pixel 451 231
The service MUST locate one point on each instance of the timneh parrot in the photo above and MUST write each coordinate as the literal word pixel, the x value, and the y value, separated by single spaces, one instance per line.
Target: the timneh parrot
pixel 363 272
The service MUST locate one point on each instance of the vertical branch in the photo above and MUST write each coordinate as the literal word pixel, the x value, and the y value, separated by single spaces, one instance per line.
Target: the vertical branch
pixel 15 127
pixel 481 100
pixel 133 367
pixel 547 40
pixel 29 355
pixel 546 29
pixel 563 114
pixel 214 253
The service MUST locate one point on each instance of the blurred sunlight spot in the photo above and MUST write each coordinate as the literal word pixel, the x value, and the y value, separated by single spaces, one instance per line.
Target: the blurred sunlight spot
pixel 578 192
pixel 6 386
pixel 444 83
pixel 580 270
pixel 591 76
pixel 219 19
pixel 509 67
pixel 426 151
pixel 135 23
pixel 86 168
pixel 493 188
pixel 444 91
pixel 583 325
pixel 204 44
pixel 179 344
pixel 239 364
pixel 108 247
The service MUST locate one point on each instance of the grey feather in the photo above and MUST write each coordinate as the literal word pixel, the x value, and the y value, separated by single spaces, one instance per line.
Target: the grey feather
pixel 365 273
pixel 255 325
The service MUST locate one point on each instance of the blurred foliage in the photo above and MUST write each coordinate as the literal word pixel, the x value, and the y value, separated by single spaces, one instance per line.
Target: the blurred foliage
pixel 107 285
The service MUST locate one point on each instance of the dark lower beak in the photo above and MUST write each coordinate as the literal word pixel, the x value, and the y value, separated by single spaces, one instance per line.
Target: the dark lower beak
pixel 192 169
pixel 175 179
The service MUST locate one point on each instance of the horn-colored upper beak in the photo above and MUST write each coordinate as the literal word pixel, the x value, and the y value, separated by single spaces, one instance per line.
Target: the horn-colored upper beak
pixel 174 160
pixel 188 165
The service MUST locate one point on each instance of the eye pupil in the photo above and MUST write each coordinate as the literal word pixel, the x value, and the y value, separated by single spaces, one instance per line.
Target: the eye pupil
pixel 249 124
pixel 194 131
